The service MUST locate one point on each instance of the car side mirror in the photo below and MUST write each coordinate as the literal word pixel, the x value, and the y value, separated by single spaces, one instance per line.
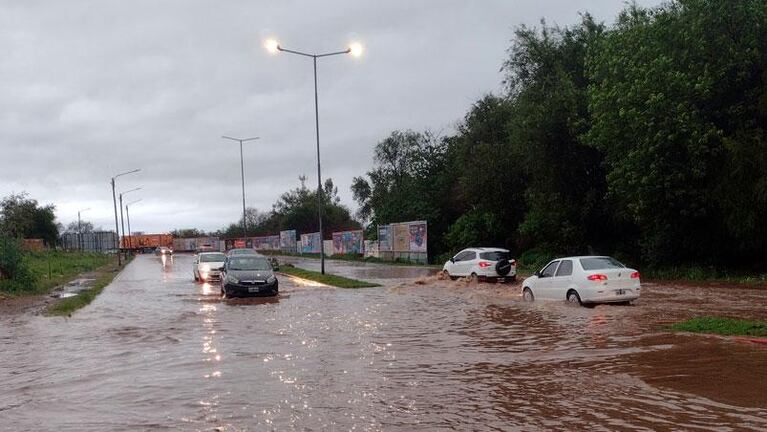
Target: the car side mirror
pixel 452 260
pixel 538 273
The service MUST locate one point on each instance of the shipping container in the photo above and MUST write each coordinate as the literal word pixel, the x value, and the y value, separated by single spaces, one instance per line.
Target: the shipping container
pixel 146 241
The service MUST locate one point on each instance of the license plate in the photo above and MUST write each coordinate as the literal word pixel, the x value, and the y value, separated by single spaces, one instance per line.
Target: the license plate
pixel 620 292
pixel 253 289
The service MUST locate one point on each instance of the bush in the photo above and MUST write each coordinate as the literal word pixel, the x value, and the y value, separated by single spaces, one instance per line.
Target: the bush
pixel 535 258
pixel 16 276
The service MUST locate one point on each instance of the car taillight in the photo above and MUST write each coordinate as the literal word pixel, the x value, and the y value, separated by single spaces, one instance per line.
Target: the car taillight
pixel 513 262
pixel 485 264
pixel 597 277
pixel 635 275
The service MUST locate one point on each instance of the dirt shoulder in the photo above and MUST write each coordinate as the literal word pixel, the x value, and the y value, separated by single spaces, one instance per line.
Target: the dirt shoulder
pixel 39 303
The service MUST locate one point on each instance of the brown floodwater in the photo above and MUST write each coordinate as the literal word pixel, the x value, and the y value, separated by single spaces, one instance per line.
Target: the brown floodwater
pixel 156 351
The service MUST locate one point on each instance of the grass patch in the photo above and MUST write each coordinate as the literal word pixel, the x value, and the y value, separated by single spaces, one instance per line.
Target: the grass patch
pixel 327 279
pixel 66 306
pixel 723 326
pixel 52 268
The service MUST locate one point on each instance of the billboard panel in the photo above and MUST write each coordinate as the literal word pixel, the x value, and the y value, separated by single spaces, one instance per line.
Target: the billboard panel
pixel 311 243
pixel 385 235
pixel 417 237
pixel 348 242
pixel 401 238
pixel 266 242
pixel 288 240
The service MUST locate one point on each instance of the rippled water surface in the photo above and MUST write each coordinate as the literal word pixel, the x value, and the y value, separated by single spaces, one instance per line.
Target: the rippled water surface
pixel 157 351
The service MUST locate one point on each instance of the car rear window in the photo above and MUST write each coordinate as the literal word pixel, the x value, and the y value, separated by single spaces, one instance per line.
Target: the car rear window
pixel 494 256
pixel 212 258
pixel 600 263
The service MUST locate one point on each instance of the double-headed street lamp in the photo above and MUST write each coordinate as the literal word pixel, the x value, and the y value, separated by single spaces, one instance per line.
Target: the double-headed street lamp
pixel 114 202
pixel 79 229
pixel 122 224
pixel 354 49
pixel 127 215
pixel 242 172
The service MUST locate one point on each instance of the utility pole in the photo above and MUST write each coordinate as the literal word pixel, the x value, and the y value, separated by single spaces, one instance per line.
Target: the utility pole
pixel 117 227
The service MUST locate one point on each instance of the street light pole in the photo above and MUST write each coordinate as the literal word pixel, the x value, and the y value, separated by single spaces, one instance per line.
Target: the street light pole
pixel 122 224
pixel 114 202
pixel 242 173
pixel 127 215
pixel 355 50
pixel 79 230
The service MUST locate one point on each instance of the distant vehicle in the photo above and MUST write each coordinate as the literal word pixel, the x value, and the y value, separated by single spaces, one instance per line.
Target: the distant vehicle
pixel 583 280
pixel 207 266
pixel 481 262
pixel 162 250
pixel 146 242
pixel 248 275
pixel 242 251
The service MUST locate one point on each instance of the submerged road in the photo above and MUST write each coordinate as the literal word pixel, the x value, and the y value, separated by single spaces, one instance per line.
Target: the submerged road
pixel 157 351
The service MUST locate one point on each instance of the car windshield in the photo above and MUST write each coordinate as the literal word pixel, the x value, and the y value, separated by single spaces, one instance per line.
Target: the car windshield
pixel 249 263
pixel 600 263
pixel 494 256
pixel 212 258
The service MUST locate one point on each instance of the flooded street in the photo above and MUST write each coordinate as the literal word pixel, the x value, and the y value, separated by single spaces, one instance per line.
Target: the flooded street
pixel 157 351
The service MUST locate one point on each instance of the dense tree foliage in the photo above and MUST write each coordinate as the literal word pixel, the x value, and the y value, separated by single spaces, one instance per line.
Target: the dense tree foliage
pixel 23 217
pixel 297 209
pixel 645 140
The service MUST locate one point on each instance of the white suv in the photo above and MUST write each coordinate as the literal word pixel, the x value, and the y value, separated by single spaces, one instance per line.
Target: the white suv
pixel 482 263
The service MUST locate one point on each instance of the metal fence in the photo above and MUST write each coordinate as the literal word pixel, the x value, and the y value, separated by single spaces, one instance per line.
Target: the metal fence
pixel 99 241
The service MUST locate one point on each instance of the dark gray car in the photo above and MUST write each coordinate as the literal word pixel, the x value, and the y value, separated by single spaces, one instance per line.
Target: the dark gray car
pixel 248 275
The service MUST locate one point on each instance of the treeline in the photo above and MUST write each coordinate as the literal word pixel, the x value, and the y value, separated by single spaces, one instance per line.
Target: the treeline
pixel 295 209
pixel 645 140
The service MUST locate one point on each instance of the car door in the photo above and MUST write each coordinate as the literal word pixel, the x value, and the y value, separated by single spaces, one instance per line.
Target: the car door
pixel 562 279
pixel 543 286
pixel 461 264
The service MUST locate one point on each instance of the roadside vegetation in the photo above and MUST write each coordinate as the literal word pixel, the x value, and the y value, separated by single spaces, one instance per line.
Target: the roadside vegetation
pixel 327 279
pixel 34 273
pixel 66 306
pixel 723 326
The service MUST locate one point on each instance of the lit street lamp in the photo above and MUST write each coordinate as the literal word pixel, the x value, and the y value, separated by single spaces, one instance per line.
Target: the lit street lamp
pixel 354 49
pixel 114 202
pixel 242 172
pixel 127 215
pixel 122 224
pixel 79 230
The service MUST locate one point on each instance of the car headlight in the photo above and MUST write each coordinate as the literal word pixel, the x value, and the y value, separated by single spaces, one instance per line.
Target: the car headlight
pixel 271 279
pixel 205 268
pixel 232 279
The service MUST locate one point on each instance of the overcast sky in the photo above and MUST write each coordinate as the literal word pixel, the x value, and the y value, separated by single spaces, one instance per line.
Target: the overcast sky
pixel 90 88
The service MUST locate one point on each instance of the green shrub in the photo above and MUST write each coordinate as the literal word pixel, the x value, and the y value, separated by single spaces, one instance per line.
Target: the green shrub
pixel 16 276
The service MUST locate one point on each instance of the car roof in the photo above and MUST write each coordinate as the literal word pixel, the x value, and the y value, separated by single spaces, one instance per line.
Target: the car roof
pixel 486 249
pixel 211 253
pixel 581 256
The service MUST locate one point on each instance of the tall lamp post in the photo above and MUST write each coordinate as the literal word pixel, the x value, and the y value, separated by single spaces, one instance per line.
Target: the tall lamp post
pixel 354 49
pixel 242 172
pixel 122 224
pixel 127 215
pixel 79 229
pixel 114 202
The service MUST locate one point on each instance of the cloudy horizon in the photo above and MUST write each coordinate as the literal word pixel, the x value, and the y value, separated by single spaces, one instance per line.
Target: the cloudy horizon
pixel 91 89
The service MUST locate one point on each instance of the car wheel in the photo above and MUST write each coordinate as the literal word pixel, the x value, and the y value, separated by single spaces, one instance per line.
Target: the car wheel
pixel 527 295
pixel 511 279
pixel 474 278
pixel 196 279
pixel 573 298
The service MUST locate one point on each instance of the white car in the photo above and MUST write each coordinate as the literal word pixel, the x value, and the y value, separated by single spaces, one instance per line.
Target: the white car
pixel 583 280
pixel 482 263
pixel 207 266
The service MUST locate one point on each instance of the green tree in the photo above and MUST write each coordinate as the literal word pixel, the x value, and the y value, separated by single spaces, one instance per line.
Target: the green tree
pixel 23 217
pixel 677 104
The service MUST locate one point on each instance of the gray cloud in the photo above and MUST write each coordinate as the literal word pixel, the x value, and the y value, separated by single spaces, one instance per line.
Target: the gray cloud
pixel 89 89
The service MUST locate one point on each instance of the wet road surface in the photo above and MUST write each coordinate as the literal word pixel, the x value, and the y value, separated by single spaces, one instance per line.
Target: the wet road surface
pixel 156 351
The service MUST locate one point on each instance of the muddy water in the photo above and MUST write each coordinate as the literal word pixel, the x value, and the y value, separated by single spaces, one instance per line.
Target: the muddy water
pixel 158 352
